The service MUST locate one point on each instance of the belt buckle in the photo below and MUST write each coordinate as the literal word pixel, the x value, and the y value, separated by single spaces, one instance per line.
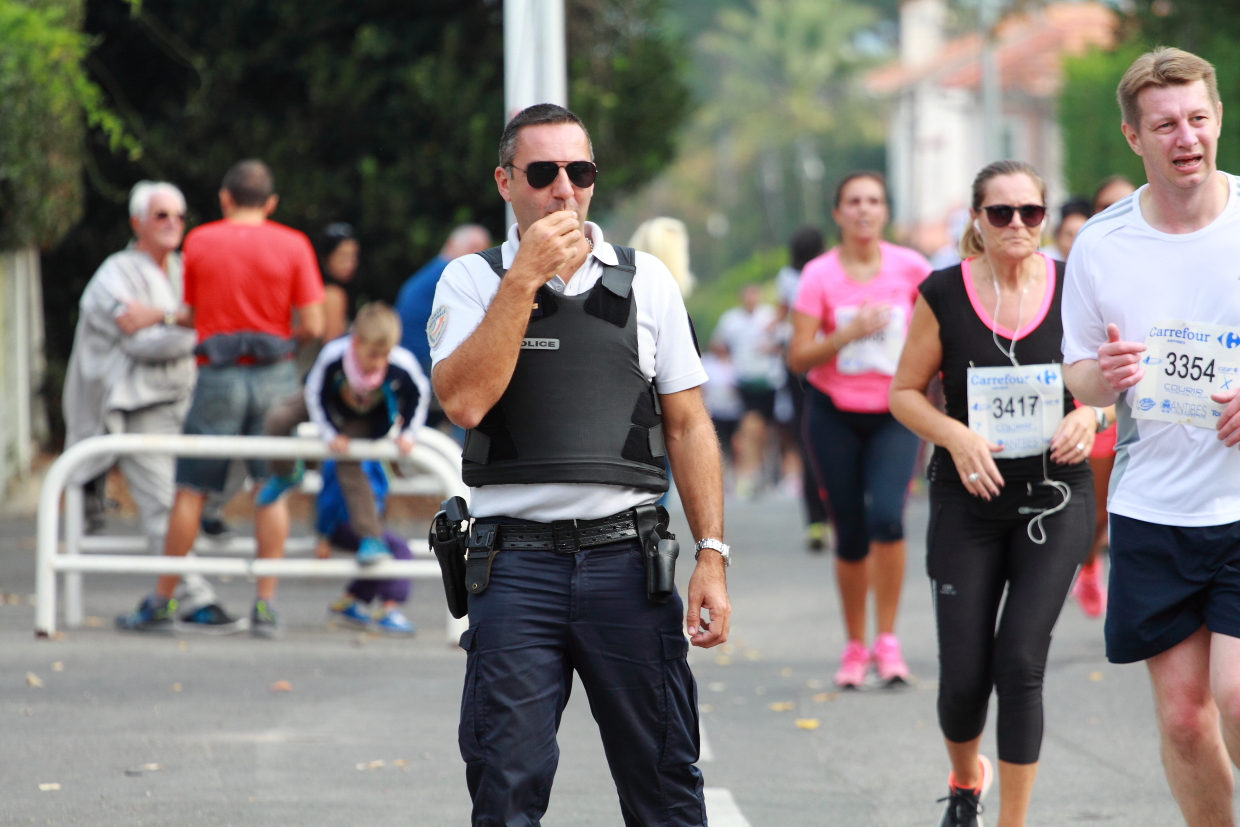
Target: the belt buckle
pixel 564 536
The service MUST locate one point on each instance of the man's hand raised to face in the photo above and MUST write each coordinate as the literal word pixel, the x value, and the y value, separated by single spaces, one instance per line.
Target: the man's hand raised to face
pixel 547 246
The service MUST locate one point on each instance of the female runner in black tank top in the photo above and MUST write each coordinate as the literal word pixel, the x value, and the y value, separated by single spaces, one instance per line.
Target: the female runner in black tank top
pixel 981 540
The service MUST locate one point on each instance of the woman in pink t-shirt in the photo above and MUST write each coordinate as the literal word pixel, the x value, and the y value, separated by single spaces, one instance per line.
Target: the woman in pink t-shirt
pixel 849 322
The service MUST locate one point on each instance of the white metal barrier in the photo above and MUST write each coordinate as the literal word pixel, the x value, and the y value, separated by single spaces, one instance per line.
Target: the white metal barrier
pixel 436 455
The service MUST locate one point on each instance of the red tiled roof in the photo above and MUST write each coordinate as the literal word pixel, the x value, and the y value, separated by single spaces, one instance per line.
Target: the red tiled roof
pixel 1028 52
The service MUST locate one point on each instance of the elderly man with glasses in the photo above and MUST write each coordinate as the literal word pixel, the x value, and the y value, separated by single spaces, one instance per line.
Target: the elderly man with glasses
pixel 132 367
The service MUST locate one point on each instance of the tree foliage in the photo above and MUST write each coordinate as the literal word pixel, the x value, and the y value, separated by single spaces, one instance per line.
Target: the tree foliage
pixel 1094 147
pixel 1089 114
pixel 44 93
pixel 386 115
pixel 628 85
pixel 780 119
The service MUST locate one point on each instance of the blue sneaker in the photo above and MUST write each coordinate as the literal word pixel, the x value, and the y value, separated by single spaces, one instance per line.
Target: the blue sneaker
pixel 212 620
pixel 350 612
pixel 372 550
pixel 154 614
pixel 394 622
pixel 264 622
pixel 275 487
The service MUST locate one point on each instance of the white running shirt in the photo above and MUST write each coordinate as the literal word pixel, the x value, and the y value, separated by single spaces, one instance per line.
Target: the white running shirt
pixel 1123 271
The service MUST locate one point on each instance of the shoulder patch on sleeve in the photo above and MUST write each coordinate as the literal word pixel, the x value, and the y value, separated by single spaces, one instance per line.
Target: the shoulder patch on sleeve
pixel 436 325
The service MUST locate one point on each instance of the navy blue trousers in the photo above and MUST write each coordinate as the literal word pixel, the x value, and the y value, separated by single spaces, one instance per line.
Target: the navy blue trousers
pixel 544 616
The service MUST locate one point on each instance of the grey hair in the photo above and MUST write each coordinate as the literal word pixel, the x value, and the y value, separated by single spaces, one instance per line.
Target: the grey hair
pixel 142 193
pixel 539 114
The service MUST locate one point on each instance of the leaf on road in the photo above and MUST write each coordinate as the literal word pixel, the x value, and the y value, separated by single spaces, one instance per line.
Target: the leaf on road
pixel 782 706
pixel 49 788
pixel 34 680
pixel 281 686
pixel 371 765
pixel 58 666
pixel 807 723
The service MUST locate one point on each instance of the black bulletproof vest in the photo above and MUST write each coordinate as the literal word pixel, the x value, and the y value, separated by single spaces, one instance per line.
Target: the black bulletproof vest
pixel 578 407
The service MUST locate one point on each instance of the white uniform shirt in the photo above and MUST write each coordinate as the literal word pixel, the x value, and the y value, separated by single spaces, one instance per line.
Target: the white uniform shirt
pixel 1123 271
pixel 665 352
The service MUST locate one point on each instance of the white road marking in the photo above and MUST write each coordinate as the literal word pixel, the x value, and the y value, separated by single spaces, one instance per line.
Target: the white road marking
pixel 705 753
pixel 721 809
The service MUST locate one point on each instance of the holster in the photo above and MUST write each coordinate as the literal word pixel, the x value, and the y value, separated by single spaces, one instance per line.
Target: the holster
pixel 659 550
pixel 448 539
pixel 478 561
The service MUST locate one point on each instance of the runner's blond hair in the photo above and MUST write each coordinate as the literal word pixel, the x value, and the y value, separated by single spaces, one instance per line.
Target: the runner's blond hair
pixel 1163 67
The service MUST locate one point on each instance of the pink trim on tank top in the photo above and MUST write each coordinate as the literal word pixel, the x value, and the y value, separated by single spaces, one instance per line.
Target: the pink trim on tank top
pixel 997 328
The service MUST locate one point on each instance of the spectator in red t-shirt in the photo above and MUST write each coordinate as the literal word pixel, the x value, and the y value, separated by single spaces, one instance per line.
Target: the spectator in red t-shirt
pixel 244 275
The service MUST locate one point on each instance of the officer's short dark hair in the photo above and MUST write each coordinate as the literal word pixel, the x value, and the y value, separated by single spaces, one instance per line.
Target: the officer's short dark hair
pixel 805 245
pixel 249 182
pixel 540 114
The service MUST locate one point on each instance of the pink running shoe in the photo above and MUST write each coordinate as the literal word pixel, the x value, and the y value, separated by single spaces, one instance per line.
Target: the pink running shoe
pixel 1089 590
pixel 889 661
pixel 853 665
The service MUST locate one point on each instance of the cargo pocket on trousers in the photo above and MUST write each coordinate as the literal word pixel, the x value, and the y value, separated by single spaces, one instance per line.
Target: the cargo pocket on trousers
pixel 471 714
pixel 680 725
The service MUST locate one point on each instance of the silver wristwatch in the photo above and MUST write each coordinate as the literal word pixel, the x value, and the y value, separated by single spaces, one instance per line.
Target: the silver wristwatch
pixel 724 550
pixel 1100 420
pixel 170 318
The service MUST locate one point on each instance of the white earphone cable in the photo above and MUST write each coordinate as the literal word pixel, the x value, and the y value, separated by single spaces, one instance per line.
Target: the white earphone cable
pixel 1010 353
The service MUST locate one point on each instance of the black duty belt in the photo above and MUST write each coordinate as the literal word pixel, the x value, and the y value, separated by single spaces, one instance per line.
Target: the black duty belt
pixel 568 536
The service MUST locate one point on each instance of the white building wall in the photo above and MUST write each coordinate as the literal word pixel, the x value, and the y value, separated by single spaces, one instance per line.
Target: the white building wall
pixel 22 365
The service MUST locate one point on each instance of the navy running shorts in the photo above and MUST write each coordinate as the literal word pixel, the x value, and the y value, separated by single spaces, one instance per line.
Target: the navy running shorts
pixel 1166 583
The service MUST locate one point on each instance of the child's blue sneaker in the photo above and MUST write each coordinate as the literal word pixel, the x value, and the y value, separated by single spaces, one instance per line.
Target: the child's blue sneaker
pixel 154 614
pixel 275 487
pixel 372 550
pixel 394 622
pixel 351 612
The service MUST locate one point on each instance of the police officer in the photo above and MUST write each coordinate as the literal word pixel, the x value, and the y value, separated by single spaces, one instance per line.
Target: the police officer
pixel 572 364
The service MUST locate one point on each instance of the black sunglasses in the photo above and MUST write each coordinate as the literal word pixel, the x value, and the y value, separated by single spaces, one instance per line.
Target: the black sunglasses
pixel 540 174
pixel 1000 215
pixel 163 215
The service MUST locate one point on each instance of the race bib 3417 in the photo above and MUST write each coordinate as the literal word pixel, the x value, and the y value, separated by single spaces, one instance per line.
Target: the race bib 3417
pixel 1016 407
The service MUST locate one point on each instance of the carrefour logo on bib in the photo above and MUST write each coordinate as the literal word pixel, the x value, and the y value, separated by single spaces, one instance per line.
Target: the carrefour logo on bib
pixel 1184 334
pixel 1230 340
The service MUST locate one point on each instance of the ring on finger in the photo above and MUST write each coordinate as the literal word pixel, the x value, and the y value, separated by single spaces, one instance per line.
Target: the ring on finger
pixel 974 477
pixel 1080 446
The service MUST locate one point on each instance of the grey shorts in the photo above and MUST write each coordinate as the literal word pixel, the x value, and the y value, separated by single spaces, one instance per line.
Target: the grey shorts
pixel 232 401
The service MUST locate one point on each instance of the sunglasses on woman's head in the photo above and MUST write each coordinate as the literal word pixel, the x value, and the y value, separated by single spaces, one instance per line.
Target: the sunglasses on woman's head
pixel 540 174
pixel 1000 215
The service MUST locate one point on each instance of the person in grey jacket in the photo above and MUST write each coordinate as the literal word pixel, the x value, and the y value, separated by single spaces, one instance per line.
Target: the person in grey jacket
pixel 132 369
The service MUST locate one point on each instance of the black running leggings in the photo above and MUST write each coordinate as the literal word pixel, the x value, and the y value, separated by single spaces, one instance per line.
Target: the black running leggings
pixel 971 561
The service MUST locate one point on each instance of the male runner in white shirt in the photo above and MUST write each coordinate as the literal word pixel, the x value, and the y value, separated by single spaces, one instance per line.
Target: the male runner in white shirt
pixel 1171 253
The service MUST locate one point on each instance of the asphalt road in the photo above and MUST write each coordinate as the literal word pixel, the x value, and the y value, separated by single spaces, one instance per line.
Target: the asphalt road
pixel 230 751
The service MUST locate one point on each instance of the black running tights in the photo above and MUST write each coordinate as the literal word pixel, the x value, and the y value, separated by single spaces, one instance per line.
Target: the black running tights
pixel 972 561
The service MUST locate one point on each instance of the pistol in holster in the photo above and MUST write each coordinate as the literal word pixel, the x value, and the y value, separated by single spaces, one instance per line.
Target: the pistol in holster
pixel 449 538
pixel 659 550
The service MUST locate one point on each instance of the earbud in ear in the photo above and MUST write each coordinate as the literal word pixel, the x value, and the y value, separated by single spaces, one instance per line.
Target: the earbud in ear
pixel 977 227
